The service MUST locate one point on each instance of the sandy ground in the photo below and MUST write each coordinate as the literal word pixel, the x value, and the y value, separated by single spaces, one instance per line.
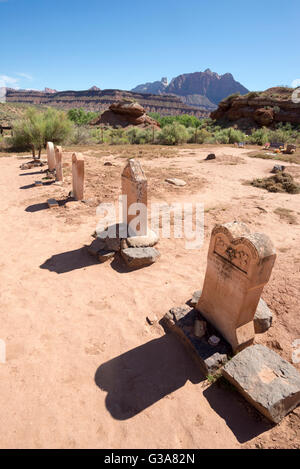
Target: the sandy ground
pixel 84 369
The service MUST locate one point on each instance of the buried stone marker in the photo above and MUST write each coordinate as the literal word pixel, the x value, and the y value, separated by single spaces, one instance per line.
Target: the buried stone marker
pixel 58 164
pixel 239 265
pixel 77 176
pixel 266 380
pixel 51 156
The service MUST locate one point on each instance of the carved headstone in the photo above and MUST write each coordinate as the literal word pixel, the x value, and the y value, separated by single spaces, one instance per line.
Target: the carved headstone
pixel 51 156
pixel 239 265
pixel 134 187
pixel 58 164
pixel 78 176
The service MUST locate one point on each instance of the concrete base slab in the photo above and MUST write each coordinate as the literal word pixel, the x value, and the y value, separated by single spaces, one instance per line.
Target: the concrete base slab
pixel 181 321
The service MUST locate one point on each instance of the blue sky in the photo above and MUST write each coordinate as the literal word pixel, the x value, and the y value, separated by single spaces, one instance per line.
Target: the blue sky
pixel 71 44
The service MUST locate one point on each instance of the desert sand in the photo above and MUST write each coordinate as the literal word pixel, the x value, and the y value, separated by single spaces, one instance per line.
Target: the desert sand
pixel 84 368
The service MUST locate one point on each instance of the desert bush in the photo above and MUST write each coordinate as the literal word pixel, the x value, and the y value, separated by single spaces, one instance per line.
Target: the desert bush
pixel 35 129
pixel 173 134
pixel 231 97
pixel 184 119
pixel 259 136
pixel 229 135
pixel 80 136
pixel 141 136
pixel 116 136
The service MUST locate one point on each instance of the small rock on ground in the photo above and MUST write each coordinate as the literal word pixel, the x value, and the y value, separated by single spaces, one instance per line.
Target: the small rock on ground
pixel 104 256
pixel 176 182
pixel 211 156
pixel 140 257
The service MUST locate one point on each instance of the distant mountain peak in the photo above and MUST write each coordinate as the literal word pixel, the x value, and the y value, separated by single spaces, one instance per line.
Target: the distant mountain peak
pixel 94 88
pixel 202 89
pixel 49 90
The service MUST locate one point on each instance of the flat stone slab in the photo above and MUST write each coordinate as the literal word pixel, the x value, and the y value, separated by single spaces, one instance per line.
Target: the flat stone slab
pixel 176 182
pixel 140 257
pixel 181 321
pixel 267 381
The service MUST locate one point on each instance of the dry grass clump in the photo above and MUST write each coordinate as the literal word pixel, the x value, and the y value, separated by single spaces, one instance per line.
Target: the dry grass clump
pixel 280 182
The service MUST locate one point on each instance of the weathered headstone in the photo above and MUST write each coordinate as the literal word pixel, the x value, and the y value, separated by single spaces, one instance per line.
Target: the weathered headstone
pixel 58 164
pixel 239 265
pixel 51 156
pixel 78 176
pixel 134 187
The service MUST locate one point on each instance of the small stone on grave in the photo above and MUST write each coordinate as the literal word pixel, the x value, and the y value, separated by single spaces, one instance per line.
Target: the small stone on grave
pixel 199 328
pixel 52 203
pixel 214 340
pixel 104 255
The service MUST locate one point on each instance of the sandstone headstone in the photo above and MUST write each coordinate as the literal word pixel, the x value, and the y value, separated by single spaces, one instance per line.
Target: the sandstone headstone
pixel 134 186
pixel 51 156
pixel 58 164
pixel 77 176
pixel 239 265
pixel 266 380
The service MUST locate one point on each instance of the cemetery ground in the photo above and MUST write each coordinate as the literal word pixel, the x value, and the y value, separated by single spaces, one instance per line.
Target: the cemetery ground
pixel 84 368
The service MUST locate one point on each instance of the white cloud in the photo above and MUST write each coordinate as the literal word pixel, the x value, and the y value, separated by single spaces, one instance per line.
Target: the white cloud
pixel 8 81
pixel 25 75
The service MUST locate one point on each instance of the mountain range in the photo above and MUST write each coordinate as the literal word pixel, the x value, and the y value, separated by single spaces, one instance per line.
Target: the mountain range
pixel 200 89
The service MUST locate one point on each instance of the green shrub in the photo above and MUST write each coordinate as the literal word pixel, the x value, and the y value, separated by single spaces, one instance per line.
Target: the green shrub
pixel 35 129
pixel 116 136
pixel 173 134
pixel 141 136
pixel 259 136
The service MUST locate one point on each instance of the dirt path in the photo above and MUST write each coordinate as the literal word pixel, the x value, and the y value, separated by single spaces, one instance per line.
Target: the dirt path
pixel 84 369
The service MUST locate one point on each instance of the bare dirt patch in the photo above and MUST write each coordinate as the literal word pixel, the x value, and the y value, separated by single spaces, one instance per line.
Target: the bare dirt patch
pixel 89 370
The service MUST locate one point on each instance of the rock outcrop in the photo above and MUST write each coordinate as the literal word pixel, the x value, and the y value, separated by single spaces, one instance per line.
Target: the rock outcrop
pixel 125 113
pixel 99 100
pixel 259 108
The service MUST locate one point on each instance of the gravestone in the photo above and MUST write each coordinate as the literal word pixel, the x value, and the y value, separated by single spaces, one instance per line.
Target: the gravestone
pixel 239 265
pixel 51 156
pixel 77 176
pixel 134 187
pixel 58 164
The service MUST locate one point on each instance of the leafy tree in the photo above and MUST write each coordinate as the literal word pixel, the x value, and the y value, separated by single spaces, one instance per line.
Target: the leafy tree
pixel 36 128
pixel 81 117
